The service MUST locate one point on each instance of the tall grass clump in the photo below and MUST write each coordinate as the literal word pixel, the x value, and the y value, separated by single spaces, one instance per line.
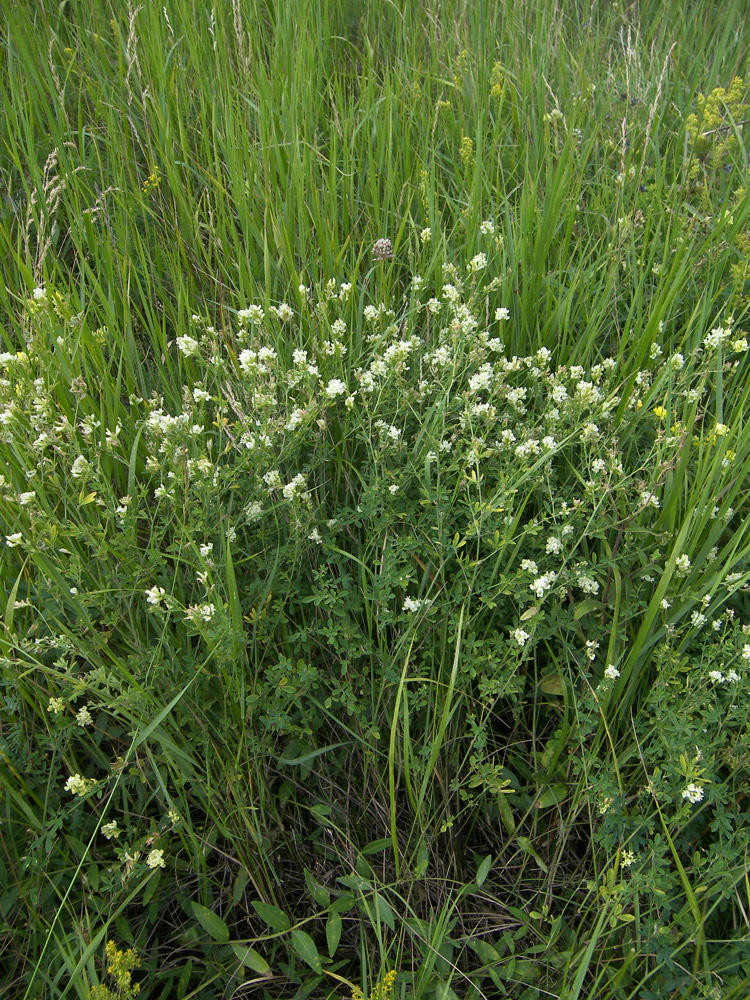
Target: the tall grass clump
pixel 374 494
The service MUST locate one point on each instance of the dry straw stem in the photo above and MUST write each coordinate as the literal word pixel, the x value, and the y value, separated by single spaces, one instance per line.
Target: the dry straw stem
pixel 726 128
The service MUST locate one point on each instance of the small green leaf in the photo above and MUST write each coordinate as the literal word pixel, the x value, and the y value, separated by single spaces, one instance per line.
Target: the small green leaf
pixel 320 813
pixel 343 903
pixel 506 814
pixel 376 846
pixel 444 992
pixel 304 945
pixel 250 957
pixel 153 885
pixel 486 952
pixel 385 912
pixel 316 890
pixel 239 885
pixel 584 607
pixel 276 919
pixel 525 844
pixel 333 932
pixel 553 685
pixel 422 863
pixel 211 922
pixel 553 795
pixel 362 868
pixel 182 982
pixel 484 870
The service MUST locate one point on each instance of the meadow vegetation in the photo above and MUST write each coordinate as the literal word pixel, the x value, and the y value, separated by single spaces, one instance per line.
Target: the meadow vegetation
pixel 374 500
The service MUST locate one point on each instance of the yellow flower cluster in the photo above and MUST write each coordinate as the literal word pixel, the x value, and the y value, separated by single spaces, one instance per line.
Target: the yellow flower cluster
pixel 497 80
pixel 461 67
pixel 152 181
pixel 466 151
pixel 716 432
pixel 383 990
pixel 713 128
pixel 120 965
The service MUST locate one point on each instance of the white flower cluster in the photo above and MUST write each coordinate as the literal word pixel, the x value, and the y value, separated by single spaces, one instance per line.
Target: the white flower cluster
pixel 295 489
pixel 156 596
pixel 527 449
pixel 543 584
pixel 284 312
pixel 296 419
pixel 257 362
pixel 683 565
pixel 520 635
pixel 155 859
pixel 198 613
pixel 587 583
pixel 718 677
pixel 481 379
pixel 388 431
pixel 649 499
pixel 335 388
pixel 160 424
pixel 591 647
pixel 84 717
pixel 81 467
pixel 373 313
pixel 188 346
pixel 693 793
pixel 253 314
pixel 78 785
pixel 413 605
pixel 716 338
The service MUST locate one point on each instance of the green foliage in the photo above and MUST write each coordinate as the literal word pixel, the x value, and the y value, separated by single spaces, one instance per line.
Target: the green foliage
pixel 374 491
